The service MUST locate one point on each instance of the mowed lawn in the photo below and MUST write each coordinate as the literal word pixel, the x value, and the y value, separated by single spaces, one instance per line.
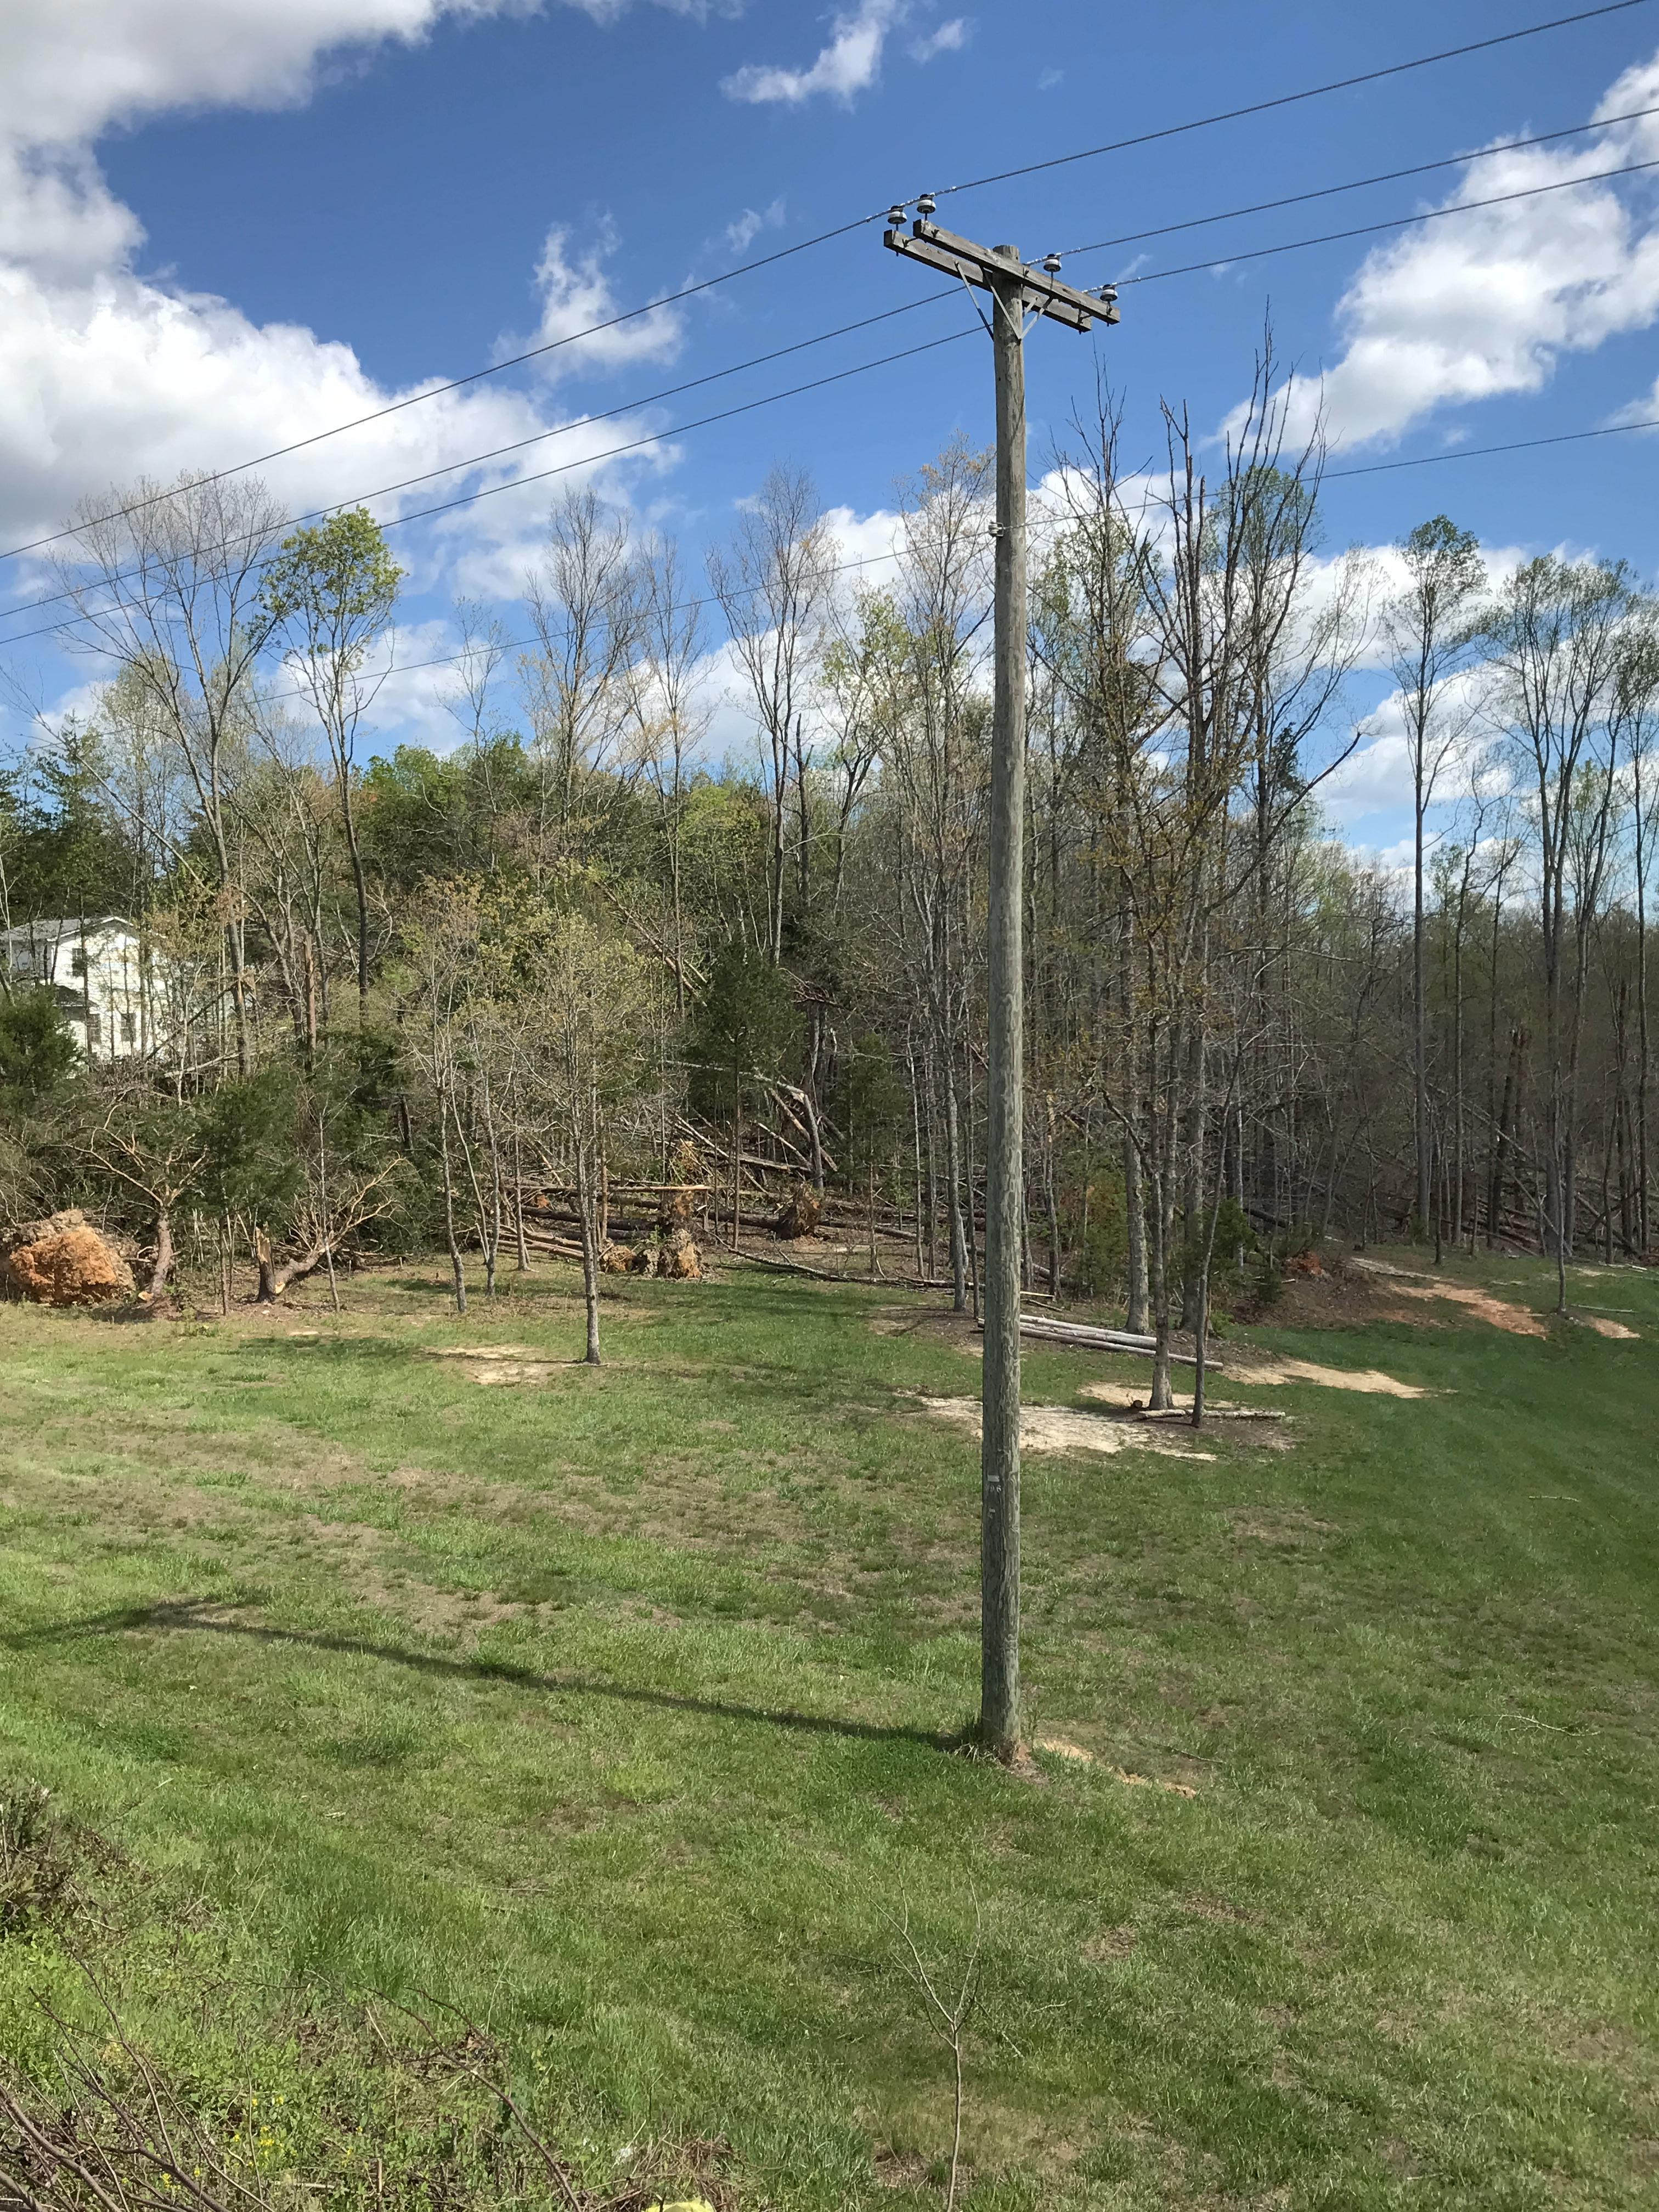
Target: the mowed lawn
pixel 615 1709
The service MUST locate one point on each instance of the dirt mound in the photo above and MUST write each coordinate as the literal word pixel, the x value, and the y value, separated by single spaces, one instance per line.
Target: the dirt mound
pixel 64 1262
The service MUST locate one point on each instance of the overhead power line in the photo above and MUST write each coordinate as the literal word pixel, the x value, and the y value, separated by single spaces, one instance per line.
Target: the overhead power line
pixel 1287 98
pixel 843 230
pixel 1358 183
pixel 538 438
pixel 582 461
pixel 1394 222
pixel 1478 452
pixel 474 376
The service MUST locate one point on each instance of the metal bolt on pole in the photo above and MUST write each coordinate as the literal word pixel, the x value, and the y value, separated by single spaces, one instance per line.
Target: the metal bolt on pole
pixel 1013 290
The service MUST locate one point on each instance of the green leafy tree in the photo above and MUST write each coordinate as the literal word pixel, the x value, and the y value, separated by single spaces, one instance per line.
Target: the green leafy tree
pixel 329 596
pixel 36 1049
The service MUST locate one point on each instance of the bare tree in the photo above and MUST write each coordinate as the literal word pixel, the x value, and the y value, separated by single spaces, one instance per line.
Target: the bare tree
pixel 1430 627
pixel 165 585
pixel 1556 633
pixel 773 583
pixel 585 607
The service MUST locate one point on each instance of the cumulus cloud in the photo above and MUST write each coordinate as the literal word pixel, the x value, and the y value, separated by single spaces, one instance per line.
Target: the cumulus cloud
pixel 576 295
pixel 847 65
pixel 741 234
pixel 106 373
pixel 950 38
pixel 1485 303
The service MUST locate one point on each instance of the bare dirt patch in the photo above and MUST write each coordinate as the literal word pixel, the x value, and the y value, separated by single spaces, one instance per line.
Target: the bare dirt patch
pixel 1110 1945
pixel 1057 1429
pixel 1288 1531
pixel 1501 1313
pixel 1603 1327
pixel 499 1364
pixel 1249 1366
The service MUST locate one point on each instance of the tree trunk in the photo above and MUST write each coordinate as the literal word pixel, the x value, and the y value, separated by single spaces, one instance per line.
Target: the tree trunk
pixel 586 1201
pixel 457 1270
pixel 162 1271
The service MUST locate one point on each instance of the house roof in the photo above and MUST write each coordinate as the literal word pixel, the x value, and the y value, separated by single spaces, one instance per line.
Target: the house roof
pixel 53 930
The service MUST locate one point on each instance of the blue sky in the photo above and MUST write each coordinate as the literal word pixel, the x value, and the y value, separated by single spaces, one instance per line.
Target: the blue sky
pixel 228 223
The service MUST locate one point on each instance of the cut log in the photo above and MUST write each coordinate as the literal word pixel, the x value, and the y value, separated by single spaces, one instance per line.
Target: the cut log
pixel 1083 1339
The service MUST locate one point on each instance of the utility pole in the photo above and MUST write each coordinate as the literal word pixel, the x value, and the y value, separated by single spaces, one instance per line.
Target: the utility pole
pixel 1013 290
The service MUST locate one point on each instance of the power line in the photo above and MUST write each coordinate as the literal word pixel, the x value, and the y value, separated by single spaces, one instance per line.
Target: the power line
pixel 778 353
pixel 1394 222
pixel 1287 98
pixel 1358 183
pixel 476 375
pixel 843 230
pixel 540 437
pixel 1478 452
pixel 583 460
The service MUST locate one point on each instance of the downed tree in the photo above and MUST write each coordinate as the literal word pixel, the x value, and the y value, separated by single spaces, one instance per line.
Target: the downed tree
pixel 1084 1337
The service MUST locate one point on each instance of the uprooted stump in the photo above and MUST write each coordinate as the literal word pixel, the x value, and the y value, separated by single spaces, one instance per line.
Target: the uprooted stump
pixel 678 1260
pixel 801 1213
pixel 63 1261
pixel 625 1259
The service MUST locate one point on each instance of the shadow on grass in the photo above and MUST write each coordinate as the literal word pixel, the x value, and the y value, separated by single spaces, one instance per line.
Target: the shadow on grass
pixel 206 1615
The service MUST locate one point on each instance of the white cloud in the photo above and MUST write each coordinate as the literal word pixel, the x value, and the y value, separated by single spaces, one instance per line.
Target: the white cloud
pixel 741 234
pixel 848 64
pixel 106 373
pixel 576 295
pixel 950 38
pixel 1485 303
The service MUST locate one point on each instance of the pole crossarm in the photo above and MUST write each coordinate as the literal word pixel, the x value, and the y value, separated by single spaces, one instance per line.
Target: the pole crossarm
pixel 1041 290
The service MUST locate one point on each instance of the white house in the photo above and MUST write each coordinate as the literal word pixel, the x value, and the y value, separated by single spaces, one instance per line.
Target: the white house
pixel 114 994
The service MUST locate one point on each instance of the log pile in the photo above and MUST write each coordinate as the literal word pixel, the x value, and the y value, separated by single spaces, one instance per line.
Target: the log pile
pixel 1082 1338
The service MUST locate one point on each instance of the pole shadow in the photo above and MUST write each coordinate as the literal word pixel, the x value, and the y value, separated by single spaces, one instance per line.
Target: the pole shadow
pixel 208 1616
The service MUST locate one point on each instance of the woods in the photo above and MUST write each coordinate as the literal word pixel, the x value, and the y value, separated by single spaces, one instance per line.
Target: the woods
pixel 407 989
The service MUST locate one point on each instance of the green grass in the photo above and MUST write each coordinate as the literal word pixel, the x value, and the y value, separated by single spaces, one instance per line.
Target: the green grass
pixel 614 1709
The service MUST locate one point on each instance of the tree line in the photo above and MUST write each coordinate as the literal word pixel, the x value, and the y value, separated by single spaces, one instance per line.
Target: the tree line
pixel 571 952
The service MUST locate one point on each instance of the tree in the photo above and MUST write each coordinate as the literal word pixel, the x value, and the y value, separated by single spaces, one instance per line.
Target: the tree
pixel 594 999
pixel 329 596
pixel 1556 633
pixel 870 1108
pixel 773 584
pixel 1430 627
pixel 584 608
pixel 165 585
pixel 36 1051
pixel 744 1028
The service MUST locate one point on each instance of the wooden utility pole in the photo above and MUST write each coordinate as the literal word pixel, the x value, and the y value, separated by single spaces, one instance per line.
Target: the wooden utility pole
pixel 1013 289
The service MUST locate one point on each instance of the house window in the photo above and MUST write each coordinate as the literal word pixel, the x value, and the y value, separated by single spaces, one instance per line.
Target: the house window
pixel 129 1029
pixel 78 961
pixel 92 1030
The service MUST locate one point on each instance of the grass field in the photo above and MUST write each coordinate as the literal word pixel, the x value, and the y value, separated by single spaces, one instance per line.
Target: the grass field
pixel 614 1708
